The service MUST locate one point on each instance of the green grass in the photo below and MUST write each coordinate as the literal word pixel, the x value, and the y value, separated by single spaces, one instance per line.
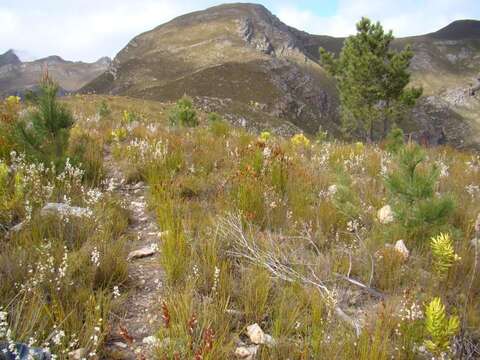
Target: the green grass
pixel 308 212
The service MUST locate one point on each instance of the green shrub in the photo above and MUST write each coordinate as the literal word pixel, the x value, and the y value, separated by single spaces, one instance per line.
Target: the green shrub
pixel 439 328
pixel 43 133
pixel 395 140
pixel 103 109
pixel 220 128
pixel 443 254
pixel 214 117
pixel 183 113
pixel 87 153
pixel 412 188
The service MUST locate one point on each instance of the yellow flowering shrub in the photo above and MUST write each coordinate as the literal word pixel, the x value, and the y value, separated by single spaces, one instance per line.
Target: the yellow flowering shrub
pixel 119 134
pixel 300 140
pixel 265 136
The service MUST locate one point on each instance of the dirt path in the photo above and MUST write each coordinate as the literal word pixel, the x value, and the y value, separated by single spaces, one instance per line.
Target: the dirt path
pixel 140 318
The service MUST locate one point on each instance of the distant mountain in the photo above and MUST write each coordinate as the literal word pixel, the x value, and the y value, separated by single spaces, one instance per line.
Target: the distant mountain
pixel 9 58
pixel 17 76
pixel 459 30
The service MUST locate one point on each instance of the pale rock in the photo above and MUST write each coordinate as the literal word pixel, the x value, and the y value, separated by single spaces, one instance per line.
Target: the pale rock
pixel 385 215
pixel 120 344
pixel 402 249
pixel 475 242
pixel 141 253
pixel 64 210
pixel 477 226
pixel 257 336
pixel 246 352
pixel 150 340
pixel 77 354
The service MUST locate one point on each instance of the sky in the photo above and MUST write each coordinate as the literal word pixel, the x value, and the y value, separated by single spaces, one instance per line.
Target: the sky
pixel 89 29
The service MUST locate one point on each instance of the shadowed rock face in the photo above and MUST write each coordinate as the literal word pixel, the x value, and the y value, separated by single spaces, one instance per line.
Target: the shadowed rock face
pixel 16 76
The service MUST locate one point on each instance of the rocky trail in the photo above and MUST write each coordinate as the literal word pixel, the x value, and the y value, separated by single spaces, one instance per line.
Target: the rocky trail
pixel 132 332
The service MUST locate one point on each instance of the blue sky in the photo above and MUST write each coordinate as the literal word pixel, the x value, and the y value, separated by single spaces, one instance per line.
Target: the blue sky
pixel 88 29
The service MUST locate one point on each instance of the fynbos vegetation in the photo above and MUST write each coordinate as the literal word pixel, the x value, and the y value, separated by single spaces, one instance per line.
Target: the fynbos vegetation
pixel 132 229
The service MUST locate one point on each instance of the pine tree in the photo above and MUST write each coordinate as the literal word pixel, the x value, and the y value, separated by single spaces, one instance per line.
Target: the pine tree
pixel 43 134
pixel 372 81
pixel 412 188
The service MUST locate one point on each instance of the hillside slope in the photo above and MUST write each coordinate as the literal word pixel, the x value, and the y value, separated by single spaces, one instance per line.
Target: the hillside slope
pixel 239 52
pixel 244 55
pixel 17 76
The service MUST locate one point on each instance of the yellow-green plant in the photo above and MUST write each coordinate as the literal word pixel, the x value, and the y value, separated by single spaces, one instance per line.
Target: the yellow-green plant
pixel 300 140
pixel 444 255
pixel 439 328
pixel 119 134
pixel 265 136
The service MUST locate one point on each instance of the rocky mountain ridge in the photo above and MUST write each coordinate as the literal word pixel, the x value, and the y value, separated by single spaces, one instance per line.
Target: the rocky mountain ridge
pixel 244 54
pixel 16 76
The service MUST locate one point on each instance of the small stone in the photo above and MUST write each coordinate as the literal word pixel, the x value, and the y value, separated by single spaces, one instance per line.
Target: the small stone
pixel 77 354
pixel 402 249
pixel 385 215
pixel 257 336
pixel 246 352
pixel 118 353
pixel 141 253
pixel 475 242
pixel 17 228
pixel 64 210
pixel 477 226
pixel 150 340
pixel 120 344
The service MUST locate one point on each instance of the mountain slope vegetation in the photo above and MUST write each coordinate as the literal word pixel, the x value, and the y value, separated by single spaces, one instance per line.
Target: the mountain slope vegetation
pixel 244 54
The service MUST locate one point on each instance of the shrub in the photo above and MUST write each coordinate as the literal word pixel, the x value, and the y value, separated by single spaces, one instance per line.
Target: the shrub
pixel 129 117
pixel 300 140
pixel 103 109
pixel 43 134
pixel 183 113
pixel 265 136
pixel 412 187
pixel 395 140
pixel 439 328
pixel 220 128
pixel 87 153
pixel 443 254
pixel 9 109
pixel 214 117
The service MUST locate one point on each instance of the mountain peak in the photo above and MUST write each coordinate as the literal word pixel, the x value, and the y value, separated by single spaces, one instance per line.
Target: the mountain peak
pixel 9 58
pixel 458 30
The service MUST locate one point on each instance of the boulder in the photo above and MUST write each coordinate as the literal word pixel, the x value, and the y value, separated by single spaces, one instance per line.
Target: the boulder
pixel 385 215
pixel 402 249
pixel 258 337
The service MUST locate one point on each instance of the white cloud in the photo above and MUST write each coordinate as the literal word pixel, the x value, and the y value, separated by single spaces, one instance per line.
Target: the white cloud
pixel 405 18
pixel 89 29
pixel 84 33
